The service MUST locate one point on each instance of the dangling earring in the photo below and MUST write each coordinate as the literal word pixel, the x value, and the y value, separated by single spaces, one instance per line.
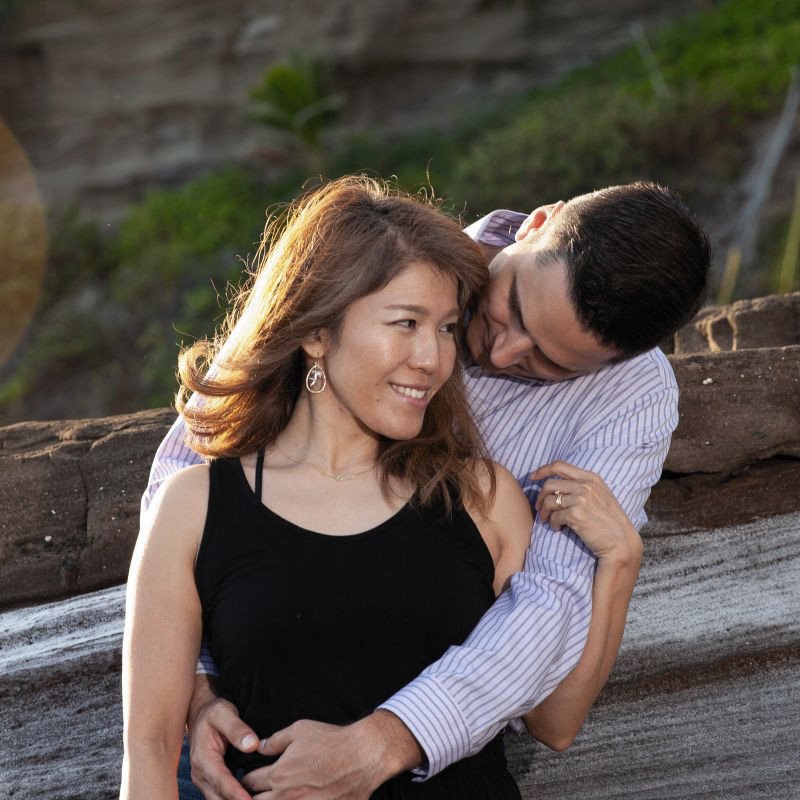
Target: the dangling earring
pixel 316 380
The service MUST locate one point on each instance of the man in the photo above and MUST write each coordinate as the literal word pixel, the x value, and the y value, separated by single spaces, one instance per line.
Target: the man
pixel 565 371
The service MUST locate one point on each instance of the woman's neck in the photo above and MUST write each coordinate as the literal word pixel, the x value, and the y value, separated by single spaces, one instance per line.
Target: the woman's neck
pixel 318 436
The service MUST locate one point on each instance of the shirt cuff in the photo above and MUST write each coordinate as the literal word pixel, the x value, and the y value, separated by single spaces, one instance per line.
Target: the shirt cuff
pixel 497 228
pixel 205 662
pixel 435 721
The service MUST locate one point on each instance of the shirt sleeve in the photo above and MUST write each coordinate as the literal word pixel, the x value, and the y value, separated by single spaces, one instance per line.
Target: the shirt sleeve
pixel 629 450
pixel 497 228
pixel 534 634
pixel 173 454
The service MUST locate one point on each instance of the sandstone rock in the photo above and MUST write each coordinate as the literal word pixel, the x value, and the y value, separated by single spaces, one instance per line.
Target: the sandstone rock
pixel 703 707
pixel 702 702
pixel 680 503
pixel 79 483
pixel 69 502
pixel 772 321
pixel 736 408
pixel 100 134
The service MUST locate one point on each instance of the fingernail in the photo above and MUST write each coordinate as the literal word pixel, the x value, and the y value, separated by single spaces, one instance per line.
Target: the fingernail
pixel 262 744
pixel 249 740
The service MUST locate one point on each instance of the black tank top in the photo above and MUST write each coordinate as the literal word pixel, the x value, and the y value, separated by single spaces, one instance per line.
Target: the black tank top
pixel 304 625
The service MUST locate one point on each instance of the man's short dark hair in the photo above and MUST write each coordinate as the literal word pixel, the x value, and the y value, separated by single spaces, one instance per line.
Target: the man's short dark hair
pixel 637 263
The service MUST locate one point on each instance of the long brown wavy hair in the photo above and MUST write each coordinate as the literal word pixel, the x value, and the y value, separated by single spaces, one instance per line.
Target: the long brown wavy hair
pixel 339 242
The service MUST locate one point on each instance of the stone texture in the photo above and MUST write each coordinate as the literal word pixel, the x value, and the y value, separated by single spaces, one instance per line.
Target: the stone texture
pixel 736 408
pixel 680 503
pixel 702 702
pixel 110 98
pixel 733 459
pixel 78 486
pixel 772 321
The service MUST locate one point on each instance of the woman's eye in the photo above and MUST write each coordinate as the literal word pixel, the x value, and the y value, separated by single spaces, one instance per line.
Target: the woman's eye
pixel 407 323
pixel 450 328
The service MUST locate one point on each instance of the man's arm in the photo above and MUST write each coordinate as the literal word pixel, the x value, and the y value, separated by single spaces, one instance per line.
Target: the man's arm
pixel 580 500
pixel 173 454
pixel 521 649
pixel 533 636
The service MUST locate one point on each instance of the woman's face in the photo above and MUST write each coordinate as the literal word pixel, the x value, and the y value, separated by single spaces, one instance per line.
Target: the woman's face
pixel 394 351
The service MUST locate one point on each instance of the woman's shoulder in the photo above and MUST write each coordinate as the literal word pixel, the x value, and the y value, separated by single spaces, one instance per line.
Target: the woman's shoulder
pixel 182 499
pixel 187 481
pixel 508 512
pixel 509 498
pixel 499 484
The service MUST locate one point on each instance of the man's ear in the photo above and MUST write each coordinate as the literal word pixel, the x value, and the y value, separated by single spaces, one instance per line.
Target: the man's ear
pixel 538 219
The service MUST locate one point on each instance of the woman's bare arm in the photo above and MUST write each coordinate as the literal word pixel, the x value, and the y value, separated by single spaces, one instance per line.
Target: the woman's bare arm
pixel 589 508
pixel 506 526
pixel 162 637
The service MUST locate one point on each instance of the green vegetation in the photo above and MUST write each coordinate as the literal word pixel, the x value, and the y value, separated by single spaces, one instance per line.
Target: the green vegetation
pixel 175 253
pixel 120 308
pixel 605 124
pixel 293 98
pixel 117 308
pixel 8 10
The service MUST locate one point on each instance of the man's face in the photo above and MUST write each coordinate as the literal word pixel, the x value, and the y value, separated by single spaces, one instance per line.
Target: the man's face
pixel 525 325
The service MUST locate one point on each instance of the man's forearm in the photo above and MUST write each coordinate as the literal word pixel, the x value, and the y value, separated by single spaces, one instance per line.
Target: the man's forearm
pixel 395 747
pixel 202 694
pixel 523 647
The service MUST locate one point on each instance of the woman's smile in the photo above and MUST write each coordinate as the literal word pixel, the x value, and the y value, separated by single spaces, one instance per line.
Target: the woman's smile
pixel 417 394
pixel 400 339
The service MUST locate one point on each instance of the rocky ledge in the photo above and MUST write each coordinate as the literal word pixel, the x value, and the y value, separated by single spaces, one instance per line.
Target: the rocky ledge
pixel 702 702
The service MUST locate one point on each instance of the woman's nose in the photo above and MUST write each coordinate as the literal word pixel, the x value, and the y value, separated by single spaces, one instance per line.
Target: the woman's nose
pixel 426 354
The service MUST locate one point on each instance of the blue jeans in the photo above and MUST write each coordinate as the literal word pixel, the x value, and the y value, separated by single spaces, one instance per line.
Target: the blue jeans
pixel 186 789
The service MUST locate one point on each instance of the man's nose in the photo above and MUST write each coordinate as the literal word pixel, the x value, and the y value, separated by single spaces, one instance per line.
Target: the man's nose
pixel 508 348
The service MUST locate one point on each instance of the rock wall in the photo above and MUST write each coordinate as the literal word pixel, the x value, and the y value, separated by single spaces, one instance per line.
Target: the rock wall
pixel 738 438
pixel 110 98
pixel 702 701
pixel 69 502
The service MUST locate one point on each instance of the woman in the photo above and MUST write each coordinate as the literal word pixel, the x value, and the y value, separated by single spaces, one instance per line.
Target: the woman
pixel 348 494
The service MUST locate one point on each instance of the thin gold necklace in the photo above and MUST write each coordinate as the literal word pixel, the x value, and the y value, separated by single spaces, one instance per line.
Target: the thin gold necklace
pixel 342 476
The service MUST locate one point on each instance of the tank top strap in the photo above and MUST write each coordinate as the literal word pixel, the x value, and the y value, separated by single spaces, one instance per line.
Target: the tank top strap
pixel 259 473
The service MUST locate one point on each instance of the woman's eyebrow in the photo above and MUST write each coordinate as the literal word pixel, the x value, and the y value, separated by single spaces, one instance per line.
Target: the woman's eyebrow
pixel 415 309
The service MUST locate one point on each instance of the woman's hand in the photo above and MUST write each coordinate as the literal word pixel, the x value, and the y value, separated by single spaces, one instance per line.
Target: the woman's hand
pixel 581 500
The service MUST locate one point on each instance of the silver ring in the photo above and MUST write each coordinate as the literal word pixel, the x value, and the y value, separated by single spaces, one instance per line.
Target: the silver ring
pixel 559 498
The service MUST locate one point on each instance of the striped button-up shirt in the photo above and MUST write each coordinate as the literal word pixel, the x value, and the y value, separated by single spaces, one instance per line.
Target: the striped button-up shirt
pixel 616 422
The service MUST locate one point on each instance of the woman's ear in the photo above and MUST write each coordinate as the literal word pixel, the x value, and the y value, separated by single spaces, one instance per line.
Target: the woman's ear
pixel 317 346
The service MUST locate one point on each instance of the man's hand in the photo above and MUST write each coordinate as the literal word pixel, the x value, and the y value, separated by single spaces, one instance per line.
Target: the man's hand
pixel 213 725
pixel 328 762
